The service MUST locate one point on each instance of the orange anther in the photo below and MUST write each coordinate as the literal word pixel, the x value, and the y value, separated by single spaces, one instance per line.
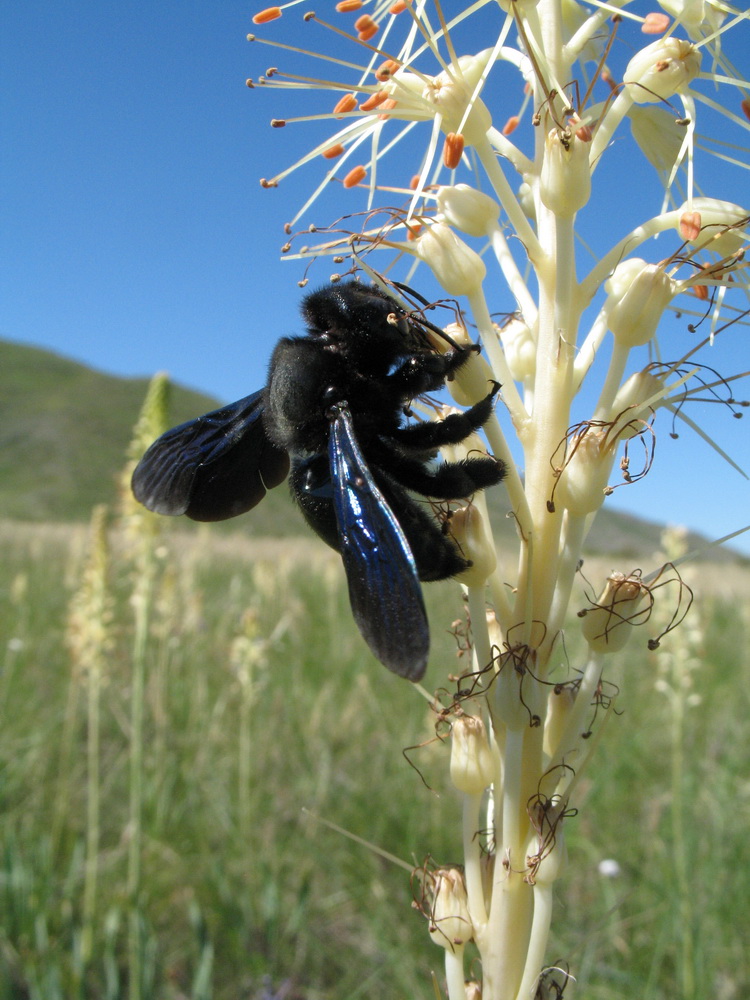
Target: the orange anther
pixel 269 14
pixel 398 7
pixel 511 125
pixel 374 101
pixel 367 33
pixel 582 132
pixel 386 71
pixel 387 105
pixel 333 151
pixel 347 6
pixel 347 103
pixel 414 182
pixel 745 105
pixel 355 175
pixel 655 24
pixel 453 149
pixel 690 225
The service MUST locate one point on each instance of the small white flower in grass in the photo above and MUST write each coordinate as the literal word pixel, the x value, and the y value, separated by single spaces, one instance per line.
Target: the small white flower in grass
pixel 609 868
pixel 662 69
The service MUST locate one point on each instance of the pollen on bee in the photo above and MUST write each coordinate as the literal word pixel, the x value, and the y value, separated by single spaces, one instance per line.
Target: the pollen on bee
pixel 269 14
pixel 332 152
pixel 453 149
pixel 355 176
pixel 347 103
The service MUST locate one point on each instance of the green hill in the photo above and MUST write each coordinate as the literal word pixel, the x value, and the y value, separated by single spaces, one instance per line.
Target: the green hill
pixel 65 428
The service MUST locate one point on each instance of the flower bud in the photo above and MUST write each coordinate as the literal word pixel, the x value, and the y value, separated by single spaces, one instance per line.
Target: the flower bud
pixel 458 268
pixel 560 702
pixel 583 480
pixel 634 403
pixel 520 349
pixel 474 378
pixel 450 93
pixel 565 181
pixel 638 295
pixel 554 858
pixel 662 69
pixel 468 529
pixel 450 923
pixel 607 626
pixel 472 767
pixel 707 221
pixel 467 209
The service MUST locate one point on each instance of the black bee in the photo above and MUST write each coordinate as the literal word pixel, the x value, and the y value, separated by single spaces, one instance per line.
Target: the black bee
pixel 334 408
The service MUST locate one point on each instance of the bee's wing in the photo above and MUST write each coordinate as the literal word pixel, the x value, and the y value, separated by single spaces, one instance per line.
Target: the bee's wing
pixel 212 468
pixel 384 589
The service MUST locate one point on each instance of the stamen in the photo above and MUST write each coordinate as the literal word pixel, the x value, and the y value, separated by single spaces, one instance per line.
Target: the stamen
pixel 308 52
pixel 374 101
pixel 347 103
pixel 366 28
pixel 453 149
pixel 655 24
pixel 269 14
pixel 355 176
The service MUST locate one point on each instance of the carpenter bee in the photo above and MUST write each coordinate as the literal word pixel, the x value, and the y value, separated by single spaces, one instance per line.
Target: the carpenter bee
pixel 333 410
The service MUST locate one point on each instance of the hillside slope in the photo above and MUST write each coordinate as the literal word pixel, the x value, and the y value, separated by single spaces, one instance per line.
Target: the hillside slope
pixel 65 428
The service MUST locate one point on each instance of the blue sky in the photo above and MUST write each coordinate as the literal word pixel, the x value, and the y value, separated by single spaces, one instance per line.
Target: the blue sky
pixel 135 236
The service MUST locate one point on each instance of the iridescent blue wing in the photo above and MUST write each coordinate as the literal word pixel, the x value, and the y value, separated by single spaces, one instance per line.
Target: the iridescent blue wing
pixel 384 589
pixel 212 468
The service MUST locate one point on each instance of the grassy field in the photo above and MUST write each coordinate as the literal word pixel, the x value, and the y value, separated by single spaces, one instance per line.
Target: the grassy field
pixel 176 712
